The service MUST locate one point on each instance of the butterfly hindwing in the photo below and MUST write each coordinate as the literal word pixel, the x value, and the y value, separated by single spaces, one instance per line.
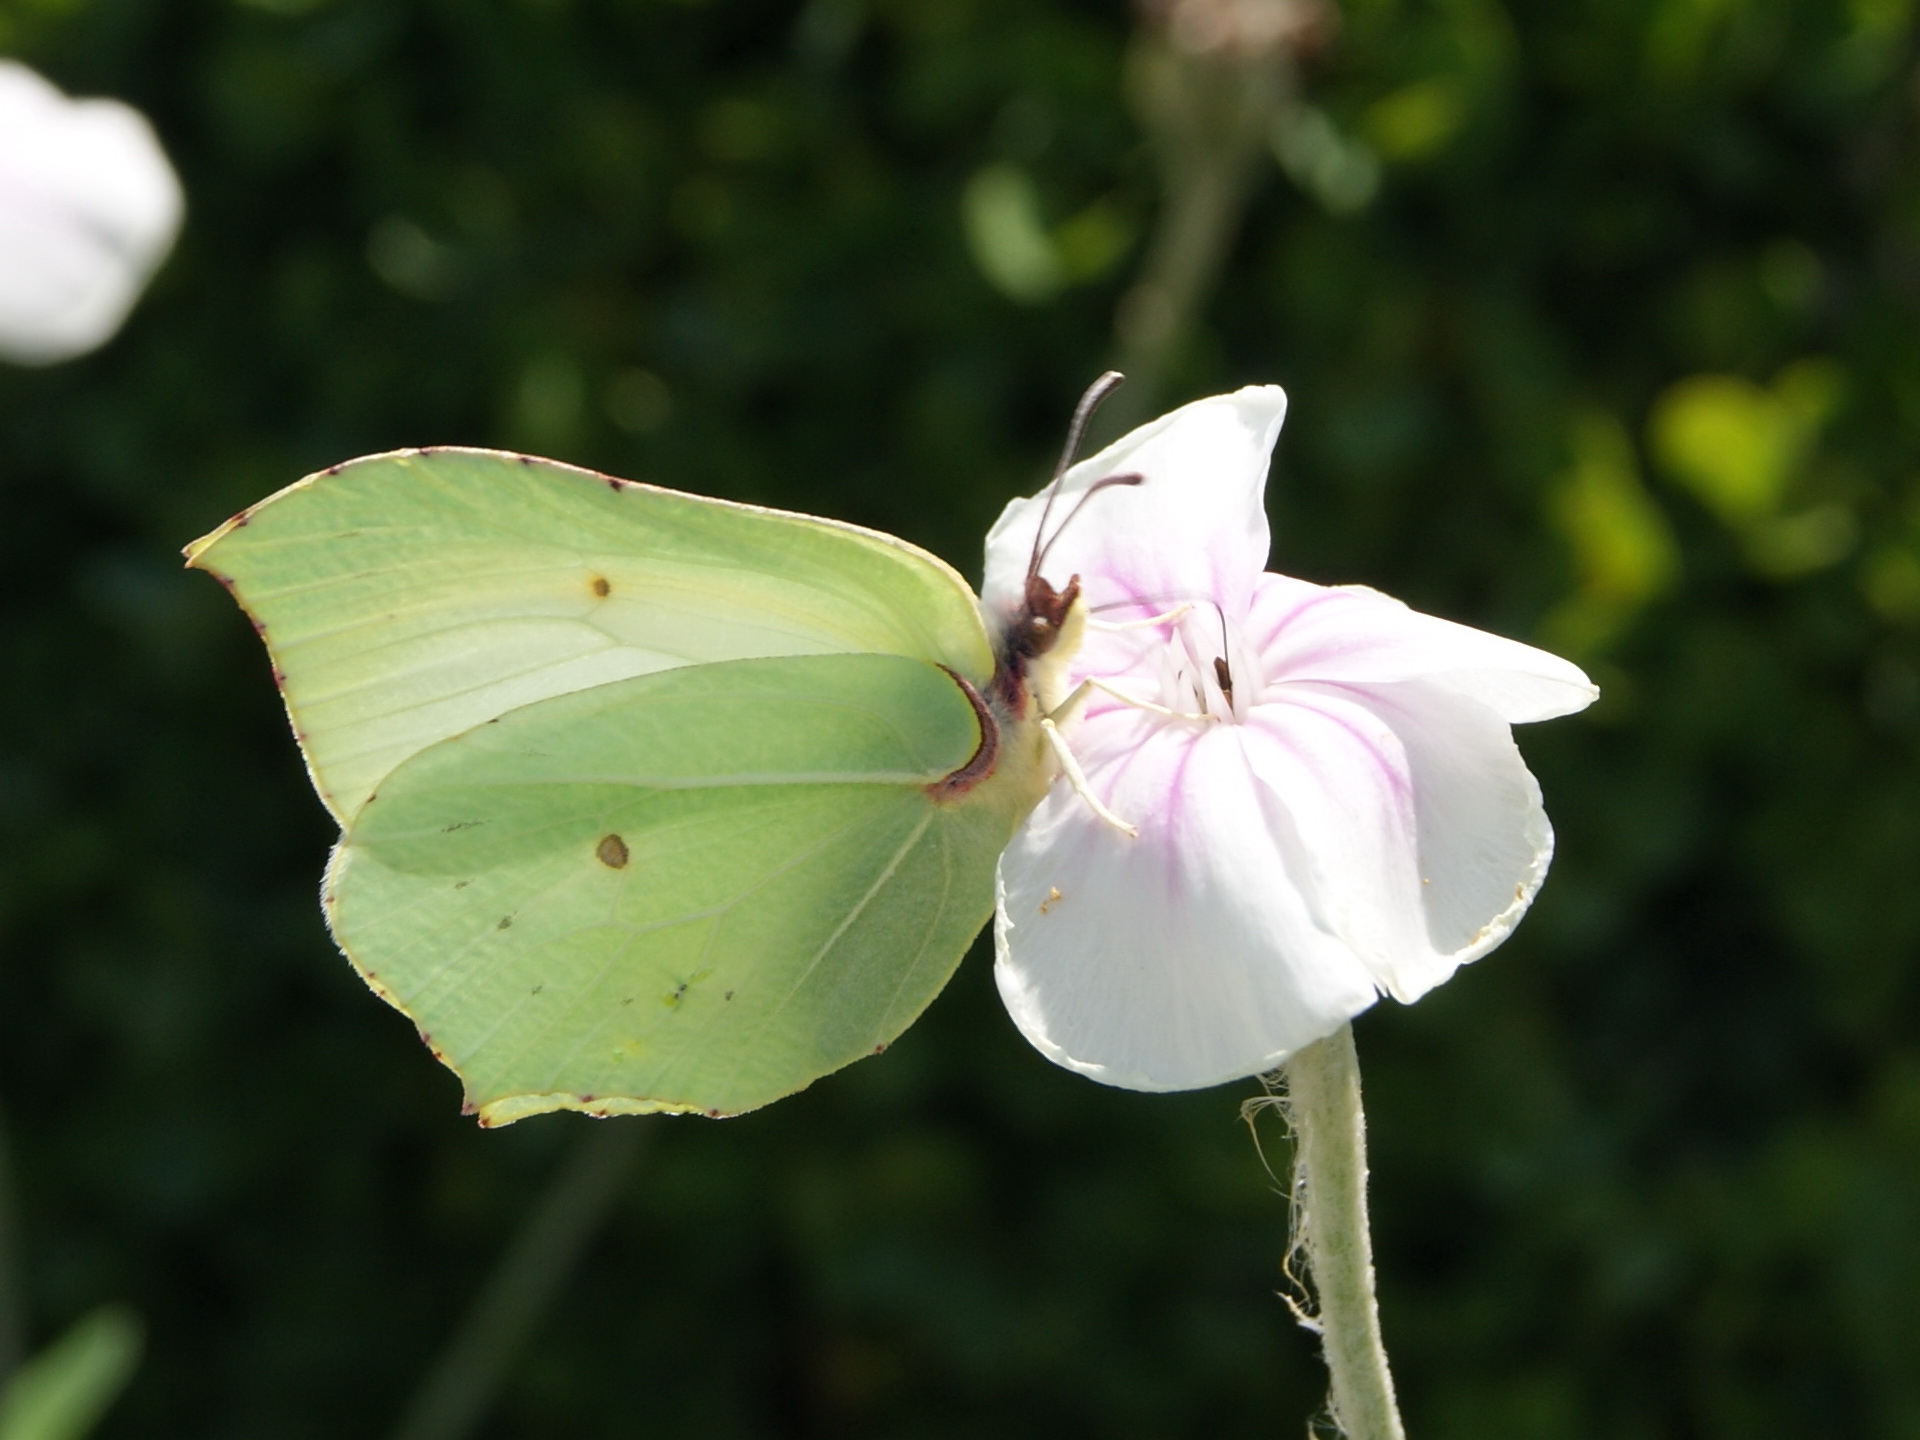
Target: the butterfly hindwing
pixel 698 889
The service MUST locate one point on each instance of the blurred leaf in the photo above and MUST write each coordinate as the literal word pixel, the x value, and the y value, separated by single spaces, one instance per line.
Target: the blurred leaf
pixel 1738 447
pixel 743 130
pixel 1417 120
pixel 1092 243
pixel 61 1393
pixel 1008 236
pixel 1337 170
pixel 1791 274
pixel 1729 442
pixel 1891 580
pixel 1884 19
pixel 1786 546
pixel 283 7
pixel 1682 31
pixel 638 401
pixel 1011 244
pixel 410 260
pixel 549 405
pixel 1624 550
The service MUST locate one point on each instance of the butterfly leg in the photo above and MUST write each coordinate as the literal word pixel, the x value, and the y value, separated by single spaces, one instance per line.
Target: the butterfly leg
pixel 1077 778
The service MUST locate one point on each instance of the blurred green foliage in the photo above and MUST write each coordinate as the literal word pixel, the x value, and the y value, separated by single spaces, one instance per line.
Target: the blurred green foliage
pixel 1618 345
pixel 64 1390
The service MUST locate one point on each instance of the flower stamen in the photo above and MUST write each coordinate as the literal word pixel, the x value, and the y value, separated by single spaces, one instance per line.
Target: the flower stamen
pixel 1068 708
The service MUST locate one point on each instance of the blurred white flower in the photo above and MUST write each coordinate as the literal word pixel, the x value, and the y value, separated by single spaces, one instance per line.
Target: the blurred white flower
pixel 89 208
pixel 1328 800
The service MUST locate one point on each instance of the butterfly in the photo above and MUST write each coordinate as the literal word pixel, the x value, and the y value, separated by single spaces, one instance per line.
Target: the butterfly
pixel 648 801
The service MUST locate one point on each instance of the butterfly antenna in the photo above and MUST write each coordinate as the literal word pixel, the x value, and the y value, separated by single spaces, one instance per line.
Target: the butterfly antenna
pixel 1083 415
pixel 1094 489
pixel 1076 432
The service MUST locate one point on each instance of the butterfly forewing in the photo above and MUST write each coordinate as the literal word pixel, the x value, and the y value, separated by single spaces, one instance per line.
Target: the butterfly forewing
pixel 408 597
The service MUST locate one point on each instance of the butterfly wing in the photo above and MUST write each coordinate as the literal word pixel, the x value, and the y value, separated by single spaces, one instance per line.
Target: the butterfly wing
pixel 698 889
pixel 406 598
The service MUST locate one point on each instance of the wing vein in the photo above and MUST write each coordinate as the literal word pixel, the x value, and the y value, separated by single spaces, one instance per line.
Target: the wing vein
pixel 859 909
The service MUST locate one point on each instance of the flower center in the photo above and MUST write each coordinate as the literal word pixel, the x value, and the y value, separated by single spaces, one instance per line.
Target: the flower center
pixel 1195 663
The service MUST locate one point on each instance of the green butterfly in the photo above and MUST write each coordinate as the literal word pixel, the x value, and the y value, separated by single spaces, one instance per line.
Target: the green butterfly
pixel 649 802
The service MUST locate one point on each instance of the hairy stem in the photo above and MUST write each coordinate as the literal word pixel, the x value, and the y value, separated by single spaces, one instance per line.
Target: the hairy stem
pixel 1330 1190
pixel 455 1396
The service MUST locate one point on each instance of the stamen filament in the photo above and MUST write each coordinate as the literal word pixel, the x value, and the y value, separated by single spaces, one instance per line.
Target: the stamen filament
pixel 1070 707
pixel 1148 622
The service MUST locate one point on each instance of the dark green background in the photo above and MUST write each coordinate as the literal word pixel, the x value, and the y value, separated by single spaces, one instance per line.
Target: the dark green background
pixel 1652 1169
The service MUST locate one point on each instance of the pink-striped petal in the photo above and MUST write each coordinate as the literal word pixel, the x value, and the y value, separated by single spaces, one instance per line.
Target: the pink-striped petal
pixel 1181 958
pixel 1421 838
pixel 1194 530
pixel 1350 634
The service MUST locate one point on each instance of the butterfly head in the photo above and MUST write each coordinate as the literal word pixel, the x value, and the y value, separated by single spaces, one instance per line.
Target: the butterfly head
pixel 1045 630
pixel 1040 638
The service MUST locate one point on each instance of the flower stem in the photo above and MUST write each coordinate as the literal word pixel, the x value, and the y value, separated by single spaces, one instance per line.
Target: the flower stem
pixel 1330 1192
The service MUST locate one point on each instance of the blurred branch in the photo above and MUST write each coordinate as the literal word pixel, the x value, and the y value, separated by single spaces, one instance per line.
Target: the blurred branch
pixel 12 1305
pixel 1208 80
pixel 463 1382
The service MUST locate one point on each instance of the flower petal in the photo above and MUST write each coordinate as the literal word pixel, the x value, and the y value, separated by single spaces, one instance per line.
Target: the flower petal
pixel 1349 634
pixel 1181 958
pixel 88 209
pixel 1195 530
pixel 1422 838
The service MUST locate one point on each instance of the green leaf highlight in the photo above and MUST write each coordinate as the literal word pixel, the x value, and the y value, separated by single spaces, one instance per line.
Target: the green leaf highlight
pixel 63 1391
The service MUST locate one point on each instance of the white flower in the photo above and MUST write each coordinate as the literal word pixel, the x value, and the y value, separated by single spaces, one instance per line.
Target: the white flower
pixel 88 210
pixel 1335 809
